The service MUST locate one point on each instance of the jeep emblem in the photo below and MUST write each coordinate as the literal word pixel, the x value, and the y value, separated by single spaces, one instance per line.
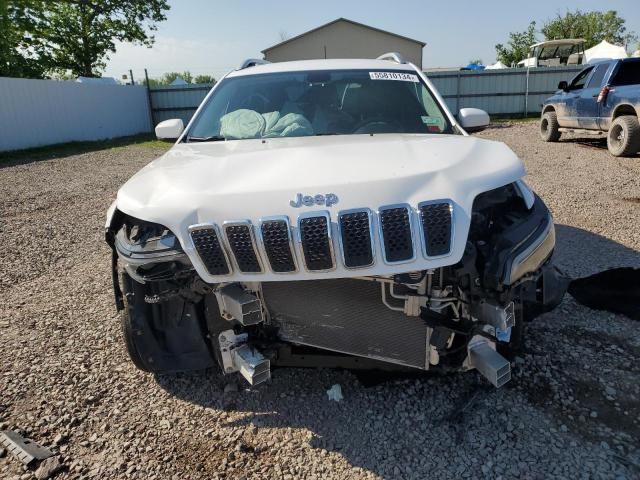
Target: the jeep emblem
pixel 327 200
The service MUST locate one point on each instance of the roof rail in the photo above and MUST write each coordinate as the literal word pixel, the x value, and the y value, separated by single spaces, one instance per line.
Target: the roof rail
pixel 252 62
pixel 393 56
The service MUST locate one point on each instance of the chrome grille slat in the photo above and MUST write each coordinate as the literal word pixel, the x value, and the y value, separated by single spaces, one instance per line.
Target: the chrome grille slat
pixel 397 233
pixel 436 218
pixel 207 242
pixel 275 235
pixel 242 244
pixel 356 238
pixel 314 229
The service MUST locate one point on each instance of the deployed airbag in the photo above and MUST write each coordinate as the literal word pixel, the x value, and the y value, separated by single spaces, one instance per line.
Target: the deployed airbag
pixel 244 123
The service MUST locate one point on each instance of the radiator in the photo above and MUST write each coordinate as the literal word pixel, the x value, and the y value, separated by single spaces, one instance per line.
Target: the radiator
pixel 348 316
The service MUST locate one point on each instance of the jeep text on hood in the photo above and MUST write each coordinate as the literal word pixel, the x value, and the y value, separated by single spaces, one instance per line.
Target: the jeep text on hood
pixel 331 207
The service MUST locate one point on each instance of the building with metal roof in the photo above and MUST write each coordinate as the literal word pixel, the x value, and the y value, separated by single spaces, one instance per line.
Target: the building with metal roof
pixel 343 38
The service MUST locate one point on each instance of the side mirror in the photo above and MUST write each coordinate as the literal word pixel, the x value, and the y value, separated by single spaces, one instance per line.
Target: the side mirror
pixel 563 85
pixel 473 119
pixel 169 129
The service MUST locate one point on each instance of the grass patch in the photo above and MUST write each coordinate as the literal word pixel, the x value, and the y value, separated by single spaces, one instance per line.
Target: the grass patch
pixel 146 140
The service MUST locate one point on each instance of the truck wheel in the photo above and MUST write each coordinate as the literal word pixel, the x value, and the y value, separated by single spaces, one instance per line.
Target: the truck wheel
pixel 549 128
pixel 129 333
pixel 623 139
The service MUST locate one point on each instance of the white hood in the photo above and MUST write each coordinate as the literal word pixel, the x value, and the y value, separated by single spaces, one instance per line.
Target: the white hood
pixel 252 179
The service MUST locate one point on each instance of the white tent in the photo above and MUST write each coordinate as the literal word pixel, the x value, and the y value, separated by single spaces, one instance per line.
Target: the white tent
pixel 496 66
pixel 604 51
pixel 179 81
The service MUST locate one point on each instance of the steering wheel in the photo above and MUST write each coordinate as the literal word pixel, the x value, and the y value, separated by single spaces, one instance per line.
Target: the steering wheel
pixel 376 126
pixel 251 102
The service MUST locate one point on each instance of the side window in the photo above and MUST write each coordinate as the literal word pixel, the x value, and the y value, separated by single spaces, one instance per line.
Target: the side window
pixel 598 76
pixel 628 74
pixel 580 80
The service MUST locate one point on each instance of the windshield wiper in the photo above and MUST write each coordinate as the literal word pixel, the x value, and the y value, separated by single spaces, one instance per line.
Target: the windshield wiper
pixel 212 138
pixel 326 134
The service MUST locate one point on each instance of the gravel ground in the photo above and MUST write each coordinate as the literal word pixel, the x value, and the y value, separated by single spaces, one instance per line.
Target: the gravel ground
pixel 571 410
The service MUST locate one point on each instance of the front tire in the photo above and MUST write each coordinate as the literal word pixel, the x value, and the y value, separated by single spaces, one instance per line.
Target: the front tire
pixel 166 337
pixel 623 139
pixel 549 127
pixel 129 335
pixel 129 331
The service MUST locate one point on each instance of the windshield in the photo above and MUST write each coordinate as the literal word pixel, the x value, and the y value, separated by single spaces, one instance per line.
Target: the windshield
pixel 331 102
pixel 564 52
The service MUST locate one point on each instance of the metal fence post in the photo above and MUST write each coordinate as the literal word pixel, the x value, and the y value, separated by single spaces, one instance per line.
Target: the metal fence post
pixel 458 93
pixel 149 101
pixel 526 94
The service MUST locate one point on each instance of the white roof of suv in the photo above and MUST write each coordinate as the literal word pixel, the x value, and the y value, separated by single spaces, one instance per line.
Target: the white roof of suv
pixel 333 64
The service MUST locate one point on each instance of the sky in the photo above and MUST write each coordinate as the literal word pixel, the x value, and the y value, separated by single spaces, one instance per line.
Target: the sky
pixel 214 36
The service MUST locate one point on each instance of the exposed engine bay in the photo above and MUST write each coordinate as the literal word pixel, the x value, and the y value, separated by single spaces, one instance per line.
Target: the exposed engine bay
pixel 469 315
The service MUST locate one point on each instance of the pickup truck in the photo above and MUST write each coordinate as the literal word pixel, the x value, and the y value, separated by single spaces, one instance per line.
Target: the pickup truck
pixel 604 97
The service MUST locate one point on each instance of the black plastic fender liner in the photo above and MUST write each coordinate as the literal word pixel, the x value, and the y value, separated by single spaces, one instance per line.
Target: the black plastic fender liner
pixel 168 336
pixel 542 292
pixel 554 286
pixel 109 237
pixel 117 291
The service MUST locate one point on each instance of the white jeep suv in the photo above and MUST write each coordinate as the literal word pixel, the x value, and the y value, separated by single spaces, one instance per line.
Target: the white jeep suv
pixel 329 213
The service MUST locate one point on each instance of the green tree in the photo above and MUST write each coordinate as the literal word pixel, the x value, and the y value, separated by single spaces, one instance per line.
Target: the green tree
pixel 169 77
pixel 78 35
pixel 204 79
pixel 155 82
pixel 18 33
pixel 592 26
pixel 477 61
pixel 517 47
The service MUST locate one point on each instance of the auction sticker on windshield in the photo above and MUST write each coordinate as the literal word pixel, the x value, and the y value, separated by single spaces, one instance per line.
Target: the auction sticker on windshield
pixel 403 77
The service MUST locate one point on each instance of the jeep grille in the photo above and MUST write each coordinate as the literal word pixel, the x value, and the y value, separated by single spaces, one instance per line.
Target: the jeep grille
pixel 401 231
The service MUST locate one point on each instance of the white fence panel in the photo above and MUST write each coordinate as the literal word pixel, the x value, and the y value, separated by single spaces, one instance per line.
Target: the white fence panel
pixel 43 112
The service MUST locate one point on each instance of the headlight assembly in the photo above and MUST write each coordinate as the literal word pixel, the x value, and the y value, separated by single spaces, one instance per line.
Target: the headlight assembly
pixel 536 252
pixel 149 251
pixel 512 239
pixel 142 240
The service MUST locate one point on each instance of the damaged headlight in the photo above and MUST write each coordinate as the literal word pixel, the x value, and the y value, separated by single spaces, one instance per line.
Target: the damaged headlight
pixel 513 235
pixel 148 251
pixel 537 250
pixel 143 240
